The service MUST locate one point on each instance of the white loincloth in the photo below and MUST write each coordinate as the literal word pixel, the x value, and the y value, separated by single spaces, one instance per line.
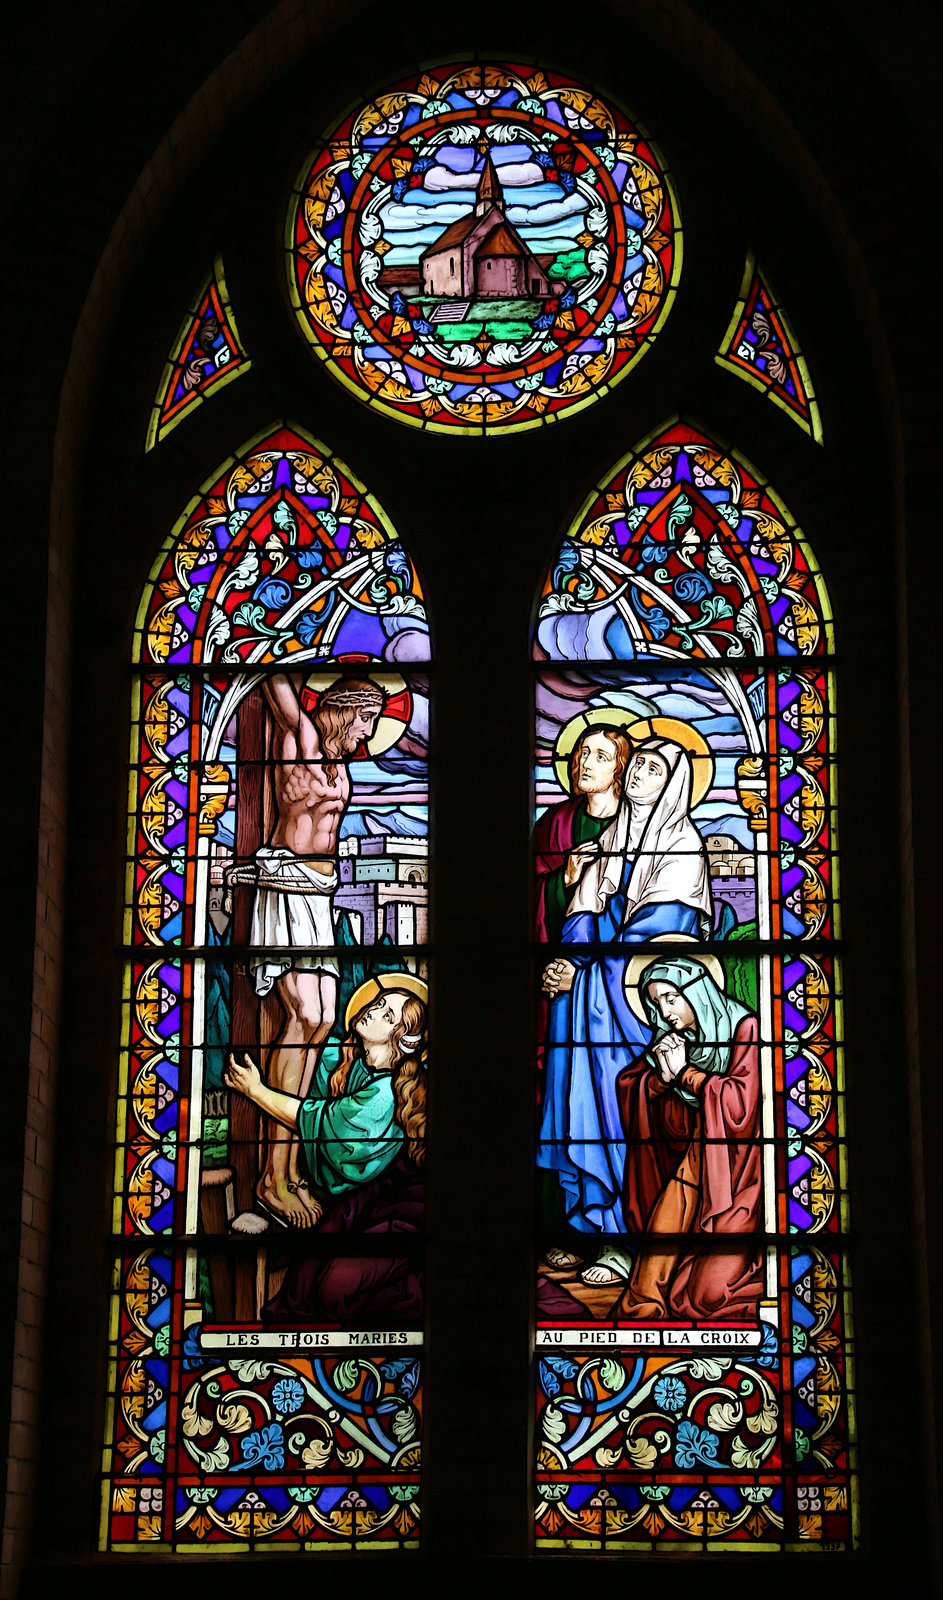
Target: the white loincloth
pixel 297 915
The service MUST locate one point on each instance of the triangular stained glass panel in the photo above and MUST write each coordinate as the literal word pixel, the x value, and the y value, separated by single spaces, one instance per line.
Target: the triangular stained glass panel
pixel 760 345
pixel 206 354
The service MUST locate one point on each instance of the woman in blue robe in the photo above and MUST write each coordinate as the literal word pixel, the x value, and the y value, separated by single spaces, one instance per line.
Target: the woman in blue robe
pixel 644 878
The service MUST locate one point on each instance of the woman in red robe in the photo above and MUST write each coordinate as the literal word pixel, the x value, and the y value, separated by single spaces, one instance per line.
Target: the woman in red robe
pixel 691 1111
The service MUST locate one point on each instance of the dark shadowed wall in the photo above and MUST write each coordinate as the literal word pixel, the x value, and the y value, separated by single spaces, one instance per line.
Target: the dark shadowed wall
pixel 141 141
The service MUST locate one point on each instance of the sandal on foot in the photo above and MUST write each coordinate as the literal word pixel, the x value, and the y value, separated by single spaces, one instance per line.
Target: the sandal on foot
pixel 561 1260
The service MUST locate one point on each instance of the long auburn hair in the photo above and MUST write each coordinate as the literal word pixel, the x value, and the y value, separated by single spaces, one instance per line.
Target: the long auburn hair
pixel 623 748
pixel 333 720
pixel 407 1072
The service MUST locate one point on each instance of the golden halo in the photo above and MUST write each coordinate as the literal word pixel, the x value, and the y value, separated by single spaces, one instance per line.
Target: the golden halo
pixel 638 964
pixel 694 743
pixel 638 729
pixel 615 717
pixel 397 703
pixel 364 996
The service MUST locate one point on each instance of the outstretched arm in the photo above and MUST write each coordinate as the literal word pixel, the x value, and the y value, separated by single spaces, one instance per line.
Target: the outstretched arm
pixel 285 706
pixel 248 1081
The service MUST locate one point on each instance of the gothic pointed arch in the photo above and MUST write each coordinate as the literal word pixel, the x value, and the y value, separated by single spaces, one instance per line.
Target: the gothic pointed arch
pixel 693 1314
pixel 771 146
pixel 761 347
pixel 206 354
pixel 272 1085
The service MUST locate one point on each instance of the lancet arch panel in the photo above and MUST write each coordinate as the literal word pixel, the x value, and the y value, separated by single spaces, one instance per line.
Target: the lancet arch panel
pixel 265 1383
pixel 693 1333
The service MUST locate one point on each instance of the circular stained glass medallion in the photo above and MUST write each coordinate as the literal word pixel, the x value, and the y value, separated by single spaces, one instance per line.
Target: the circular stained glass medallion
pixel 483 248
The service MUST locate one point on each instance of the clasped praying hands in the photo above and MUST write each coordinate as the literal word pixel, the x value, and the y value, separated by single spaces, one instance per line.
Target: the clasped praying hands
pixel 671 1057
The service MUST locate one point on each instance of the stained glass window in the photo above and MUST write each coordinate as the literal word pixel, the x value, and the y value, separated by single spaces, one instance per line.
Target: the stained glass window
pixel 760 345
pixel 267 1326
pixel 482 247
pixel 206 354
pixel 693 1321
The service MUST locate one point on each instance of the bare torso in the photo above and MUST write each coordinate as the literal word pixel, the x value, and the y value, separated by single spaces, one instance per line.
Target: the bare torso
pixel 310 803
pixel 311 789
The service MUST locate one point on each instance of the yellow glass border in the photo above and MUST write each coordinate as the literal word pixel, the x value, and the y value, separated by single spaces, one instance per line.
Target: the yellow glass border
pixel 156 431
pixel 814 426
pixel 812 1239
pixel 788 662
pixel 179 669
pixel 480 430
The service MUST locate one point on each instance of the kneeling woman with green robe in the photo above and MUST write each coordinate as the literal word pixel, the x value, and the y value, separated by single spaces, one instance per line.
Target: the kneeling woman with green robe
pixel 363 1143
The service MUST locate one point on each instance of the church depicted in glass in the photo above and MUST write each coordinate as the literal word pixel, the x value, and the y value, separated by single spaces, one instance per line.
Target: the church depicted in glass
pixel 483 247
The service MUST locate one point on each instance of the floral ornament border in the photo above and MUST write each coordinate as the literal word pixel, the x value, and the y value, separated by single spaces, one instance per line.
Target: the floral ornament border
pixel 342 308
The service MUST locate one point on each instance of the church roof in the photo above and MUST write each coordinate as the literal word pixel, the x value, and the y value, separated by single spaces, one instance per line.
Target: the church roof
pixel 455 235
pixel 489 188
pixel 502 241
pixel 498 236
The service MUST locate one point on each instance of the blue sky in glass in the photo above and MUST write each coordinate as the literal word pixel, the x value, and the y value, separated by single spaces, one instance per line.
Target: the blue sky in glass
pixel 546 218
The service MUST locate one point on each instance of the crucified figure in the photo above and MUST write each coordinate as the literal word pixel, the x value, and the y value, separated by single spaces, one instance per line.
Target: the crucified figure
pixel 295 875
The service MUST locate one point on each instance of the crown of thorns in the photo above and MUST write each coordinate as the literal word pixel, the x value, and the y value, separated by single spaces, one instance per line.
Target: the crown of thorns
pixel 352 697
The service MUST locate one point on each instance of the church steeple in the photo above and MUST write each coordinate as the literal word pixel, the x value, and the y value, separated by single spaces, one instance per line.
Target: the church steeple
pixel 489 189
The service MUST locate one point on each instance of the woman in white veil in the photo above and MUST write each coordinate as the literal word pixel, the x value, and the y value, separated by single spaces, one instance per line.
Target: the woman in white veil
pixel 645 877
